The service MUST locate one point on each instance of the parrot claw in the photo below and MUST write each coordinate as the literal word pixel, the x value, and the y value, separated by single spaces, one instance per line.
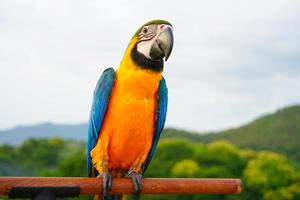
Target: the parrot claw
pixel 137 182
pixel 107 182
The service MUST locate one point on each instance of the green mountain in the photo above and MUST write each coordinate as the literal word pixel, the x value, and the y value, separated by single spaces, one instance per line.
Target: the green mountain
pixel 278 132
pixel 19 134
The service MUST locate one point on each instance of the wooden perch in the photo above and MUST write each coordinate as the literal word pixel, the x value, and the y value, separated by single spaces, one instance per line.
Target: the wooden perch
pixel 124 185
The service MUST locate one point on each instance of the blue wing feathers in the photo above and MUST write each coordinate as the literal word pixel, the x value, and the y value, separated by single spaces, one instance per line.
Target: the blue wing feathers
pixel 161 113
pixel 101 96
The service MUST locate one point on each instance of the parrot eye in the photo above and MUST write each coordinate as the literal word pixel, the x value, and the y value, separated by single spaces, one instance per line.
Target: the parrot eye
pixel 145 30
pixel 148 32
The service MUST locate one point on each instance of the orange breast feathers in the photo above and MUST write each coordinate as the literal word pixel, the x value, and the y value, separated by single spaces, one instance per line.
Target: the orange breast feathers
pixel 126 135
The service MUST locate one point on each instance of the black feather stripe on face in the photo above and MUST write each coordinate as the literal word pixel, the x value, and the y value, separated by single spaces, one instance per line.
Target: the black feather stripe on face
pixel 146 63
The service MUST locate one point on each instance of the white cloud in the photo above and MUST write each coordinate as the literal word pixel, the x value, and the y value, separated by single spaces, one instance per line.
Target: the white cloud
pixel 232 61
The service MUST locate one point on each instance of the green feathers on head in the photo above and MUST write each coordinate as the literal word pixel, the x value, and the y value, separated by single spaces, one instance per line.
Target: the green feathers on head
pixel 156 21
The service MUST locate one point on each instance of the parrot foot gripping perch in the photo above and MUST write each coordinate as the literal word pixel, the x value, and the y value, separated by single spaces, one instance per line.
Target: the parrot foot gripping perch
pixel 137 182
pixel 107 182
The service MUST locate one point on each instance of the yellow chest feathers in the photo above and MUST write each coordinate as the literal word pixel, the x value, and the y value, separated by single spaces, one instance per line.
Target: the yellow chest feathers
pixel 138 83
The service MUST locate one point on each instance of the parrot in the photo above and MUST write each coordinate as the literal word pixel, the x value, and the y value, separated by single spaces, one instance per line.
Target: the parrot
pixel 129 109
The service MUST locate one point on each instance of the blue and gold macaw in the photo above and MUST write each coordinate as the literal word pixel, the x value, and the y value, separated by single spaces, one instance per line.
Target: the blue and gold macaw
pixel 129 108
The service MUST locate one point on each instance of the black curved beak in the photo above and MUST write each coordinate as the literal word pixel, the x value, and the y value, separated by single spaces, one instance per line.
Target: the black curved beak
pixel 163 45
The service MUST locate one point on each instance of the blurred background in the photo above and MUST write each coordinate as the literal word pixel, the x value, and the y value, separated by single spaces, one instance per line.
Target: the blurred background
pixel 233 78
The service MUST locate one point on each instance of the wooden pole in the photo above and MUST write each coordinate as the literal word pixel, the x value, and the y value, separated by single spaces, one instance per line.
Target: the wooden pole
pixel 124 185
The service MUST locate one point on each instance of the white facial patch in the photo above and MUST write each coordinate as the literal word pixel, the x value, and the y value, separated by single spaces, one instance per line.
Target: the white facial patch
pixel 144 47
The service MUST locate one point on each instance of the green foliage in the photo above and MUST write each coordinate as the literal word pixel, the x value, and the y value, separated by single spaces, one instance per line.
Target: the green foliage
pixel 267 175
pixel 285 193
pixel 185 168
pixel 269 171
pixel 169 151
pixel 37 157
pixel 272 176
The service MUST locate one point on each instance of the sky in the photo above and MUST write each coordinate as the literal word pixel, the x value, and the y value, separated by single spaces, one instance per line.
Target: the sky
pixel 232 60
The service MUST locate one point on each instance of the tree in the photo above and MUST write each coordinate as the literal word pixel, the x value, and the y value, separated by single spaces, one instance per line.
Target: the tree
pixel 271 176
pixel 185 168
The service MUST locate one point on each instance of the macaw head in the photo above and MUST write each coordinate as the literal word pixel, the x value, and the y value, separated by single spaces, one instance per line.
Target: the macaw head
pixel 151 44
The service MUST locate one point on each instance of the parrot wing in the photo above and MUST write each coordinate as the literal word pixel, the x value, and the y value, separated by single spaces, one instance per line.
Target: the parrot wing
pixel 99 106
pixel 161 113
